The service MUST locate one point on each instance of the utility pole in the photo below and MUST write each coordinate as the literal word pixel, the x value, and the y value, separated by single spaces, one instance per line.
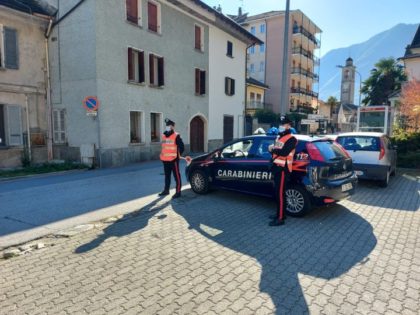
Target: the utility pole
pixel 284 99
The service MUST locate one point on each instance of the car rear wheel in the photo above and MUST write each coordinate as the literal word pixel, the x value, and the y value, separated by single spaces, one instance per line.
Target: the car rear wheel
pixel 199 182
pixel 298 202
pixel 384 183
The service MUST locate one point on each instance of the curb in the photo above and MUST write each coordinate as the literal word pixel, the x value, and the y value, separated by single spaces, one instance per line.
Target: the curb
pixel 5 179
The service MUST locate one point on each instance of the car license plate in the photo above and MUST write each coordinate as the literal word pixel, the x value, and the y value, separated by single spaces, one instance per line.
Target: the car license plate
pixel 346 187
pixel 359 173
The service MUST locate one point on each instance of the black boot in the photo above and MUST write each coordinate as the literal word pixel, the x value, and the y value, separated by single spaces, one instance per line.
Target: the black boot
pixel 274 217
pixel 164 193
pixel 177 195
pixel 276 222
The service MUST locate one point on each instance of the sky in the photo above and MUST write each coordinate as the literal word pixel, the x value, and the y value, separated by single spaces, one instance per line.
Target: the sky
pixel 343 22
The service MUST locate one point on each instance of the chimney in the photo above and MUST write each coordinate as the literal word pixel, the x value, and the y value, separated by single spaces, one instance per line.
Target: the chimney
pixel 240 12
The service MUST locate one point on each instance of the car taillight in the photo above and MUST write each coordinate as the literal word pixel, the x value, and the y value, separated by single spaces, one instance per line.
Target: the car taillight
pixel 382 152
pixel 314 152
pixel 342 149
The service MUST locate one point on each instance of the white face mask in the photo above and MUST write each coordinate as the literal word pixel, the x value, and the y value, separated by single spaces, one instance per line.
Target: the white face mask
pixel 168 128
pixel 282 129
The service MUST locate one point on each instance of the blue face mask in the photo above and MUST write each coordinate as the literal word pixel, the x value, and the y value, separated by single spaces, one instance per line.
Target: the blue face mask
pixel 282 129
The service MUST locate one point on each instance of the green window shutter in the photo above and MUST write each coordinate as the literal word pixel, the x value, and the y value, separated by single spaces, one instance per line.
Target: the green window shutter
pixel 14 125
pixel 11 48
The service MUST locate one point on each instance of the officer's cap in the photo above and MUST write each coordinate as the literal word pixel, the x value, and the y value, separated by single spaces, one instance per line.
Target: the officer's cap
pixel 284 120
pixel 169 122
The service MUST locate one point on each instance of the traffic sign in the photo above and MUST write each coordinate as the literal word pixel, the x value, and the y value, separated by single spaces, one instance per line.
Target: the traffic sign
pixel 91 103
pixel 315 116
pixel 307 121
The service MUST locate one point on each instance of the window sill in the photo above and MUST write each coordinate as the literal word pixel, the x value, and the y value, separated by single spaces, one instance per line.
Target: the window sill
pixel 200 95
pixel 158 33
pixel 137 144
pixel 230 56
pixel 201 51
pixel 161 87
pixel 134 24
pixel 136 83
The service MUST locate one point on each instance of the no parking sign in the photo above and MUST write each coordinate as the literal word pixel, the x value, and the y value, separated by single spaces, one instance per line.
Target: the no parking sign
pixel 91 104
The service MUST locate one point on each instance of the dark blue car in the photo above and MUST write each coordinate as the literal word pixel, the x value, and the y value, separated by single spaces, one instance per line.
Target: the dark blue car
pixel 322 171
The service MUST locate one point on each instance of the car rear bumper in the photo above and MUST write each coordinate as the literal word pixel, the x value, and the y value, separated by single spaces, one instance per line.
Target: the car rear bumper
pixel 332 191
pixel 371 171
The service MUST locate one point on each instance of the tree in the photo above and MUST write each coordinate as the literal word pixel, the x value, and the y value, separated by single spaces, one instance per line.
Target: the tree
pixel 333 103
pixel 385 79
pixel 410 105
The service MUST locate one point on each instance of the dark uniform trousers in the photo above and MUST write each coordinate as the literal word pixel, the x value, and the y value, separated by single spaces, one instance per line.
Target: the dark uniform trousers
pixel 169 168
pixel 281 181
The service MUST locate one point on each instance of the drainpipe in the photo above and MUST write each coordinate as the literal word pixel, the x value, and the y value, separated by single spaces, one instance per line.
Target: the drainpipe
pixel 49 107
pixel 28 129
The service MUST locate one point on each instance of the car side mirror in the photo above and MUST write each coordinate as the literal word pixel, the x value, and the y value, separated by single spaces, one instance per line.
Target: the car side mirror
pixel 217 155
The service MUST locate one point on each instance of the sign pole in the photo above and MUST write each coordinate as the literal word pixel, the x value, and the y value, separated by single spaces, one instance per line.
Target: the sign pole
pixel 284 99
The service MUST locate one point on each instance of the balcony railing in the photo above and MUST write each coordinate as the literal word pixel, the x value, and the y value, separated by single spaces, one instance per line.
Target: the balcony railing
pixel 309 74
pixel 306 53
pixel 303 91
pixel 302 108
pixel 258 105
pixel 306 33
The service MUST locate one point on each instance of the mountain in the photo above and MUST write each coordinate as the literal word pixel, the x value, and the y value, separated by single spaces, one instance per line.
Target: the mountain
pixel 390 43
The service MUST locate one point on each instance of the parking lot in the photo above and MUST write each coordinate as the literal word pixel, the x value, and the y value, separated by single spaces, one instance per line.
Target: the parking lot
pixel 216 254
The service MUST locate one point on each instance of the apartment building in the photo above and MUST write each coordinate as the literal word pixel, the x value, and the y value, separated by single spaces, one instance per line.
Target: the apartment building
pixel 143 61
pixel 265 61
pixel 23 110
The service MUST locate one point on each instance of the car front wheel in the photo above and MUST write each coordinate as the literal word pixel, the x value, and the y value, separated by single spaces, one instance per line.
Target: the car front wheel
pixel 298 202
pixel 199 182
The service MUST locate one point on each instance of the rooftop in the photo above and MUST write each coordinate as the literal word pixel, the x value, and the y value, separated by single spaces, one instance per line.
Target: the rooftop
pixel 253 81
pixel 30 6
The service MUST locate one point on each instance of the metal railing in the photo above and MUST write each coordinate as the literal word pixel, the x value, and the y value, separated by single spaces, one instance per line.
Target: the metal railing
pixel 258 105
pixel 306 33
pixel 306 53
pixel 309 74
pixel 300 90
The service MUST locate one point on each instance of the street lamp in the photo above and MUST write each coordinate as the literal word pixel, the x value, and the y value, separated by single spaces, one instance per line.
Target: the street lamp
pixel 360 83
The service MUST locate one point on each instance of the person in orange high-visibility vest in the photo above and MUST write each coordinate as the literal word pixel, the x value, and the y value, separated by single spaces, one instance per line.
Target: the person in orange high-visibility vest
pixel 172 149
pixel 282 152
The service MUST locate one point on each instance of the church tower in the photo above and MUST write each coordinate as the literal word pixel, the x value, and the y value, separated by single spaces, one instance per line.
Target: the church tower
pixel 347 82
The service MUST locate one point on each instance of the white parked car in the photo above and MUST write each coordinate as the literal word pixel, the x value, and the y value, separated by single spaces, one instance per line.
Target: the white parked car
pixel 374 156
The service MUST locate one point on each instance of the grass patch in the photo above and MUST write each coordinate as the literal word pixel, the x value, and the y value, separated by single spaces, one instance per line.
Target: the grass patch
pixel 42 169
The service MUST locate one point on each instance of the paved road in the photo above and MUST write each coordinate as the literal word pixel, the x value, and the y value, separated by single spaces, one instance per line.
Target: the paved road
pixel 41 205
pixel 215 254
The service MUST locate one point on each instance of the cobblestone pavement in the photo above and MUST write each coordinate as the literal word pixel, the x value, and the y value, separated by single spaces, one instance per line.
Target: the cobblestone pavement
pixel 215 254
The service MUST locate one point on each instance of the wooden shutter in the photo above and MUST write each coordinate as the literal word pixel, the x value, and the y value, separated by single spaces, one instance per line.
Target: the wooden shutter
pixel 202 82
pixel 130 65
pixel 229 48
pixel 14 125
pixel 226 85
pixel 11 49
pixel 152 16
pixel 161 72
pixel 141 66
pixel 232 87
pixel 197 37
pixel 59 126
pixel 197 81
pixel 152 69
pixel 132 11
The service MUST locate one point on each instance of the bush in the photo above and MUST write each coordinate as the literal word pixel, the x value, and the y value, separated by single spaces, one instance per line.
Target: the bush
pixel 406 142
pixel 409 160
pixel 266 116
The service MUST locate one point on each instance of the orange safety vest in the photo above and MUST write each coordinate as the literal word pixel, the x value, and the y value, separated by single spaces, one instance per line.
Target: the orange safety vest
pixel 169 148
pixel 281 160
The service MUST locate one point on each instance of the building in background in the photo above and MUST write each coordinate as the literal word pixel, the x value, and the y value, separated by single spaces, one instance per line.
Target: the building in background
pixel 143 61
pixel 265 61
pixel 348 73
pixel 23 87
pixel 411 58
pixel 255 100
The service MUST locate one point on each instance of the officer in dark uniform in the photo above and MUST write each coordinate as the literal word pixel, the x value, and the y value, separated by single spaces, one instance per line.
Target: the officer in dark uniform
pixel 172 149
pixel 282 152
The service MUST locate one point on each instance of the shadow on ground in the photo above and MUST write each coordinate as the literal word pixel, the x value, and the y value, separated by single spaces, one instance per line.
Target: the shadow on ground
pixel 325 244
pixel 130 226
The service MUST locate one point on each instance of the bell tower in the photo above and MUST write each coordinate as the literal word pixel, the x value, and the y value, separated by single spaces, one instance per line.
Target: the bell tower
pixel 347 82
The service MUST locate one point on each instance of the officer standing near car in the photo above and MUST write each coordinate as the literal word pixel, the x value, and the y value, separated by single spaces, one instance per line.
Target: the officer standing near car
pixel 172 149
pixel 282 152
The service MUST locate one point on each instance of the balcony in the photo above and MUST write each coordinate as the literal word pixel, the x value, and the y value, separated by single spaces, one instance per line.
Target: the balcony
pixel 303 109
pixel 306 73
pixel 252 106
pixel 306 53
pixel 303 91
pixel 307 34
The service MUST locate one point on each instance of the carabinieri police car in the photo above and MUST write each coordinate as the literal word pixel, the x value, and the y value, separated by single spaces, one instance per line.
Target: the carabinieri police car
pixel 322 171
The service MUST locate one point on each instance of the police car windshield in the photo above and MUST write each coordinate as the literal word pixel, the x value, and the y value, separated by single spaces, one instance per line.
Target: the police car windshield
pixel 329 150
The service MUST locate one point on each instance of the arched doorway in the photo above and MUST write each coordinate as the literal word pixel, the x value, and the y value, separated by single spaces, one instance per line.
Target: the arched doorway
pixel 197 135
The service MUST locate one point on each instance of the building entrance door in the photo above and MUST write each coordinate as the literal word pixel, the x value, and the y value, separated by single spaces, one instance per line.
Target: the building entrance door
pixel 197 135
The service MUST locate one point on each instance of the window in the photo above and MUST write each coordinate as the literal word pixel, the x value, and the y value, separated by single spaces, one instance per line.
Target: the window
pixel 10 125
pixel 228 123
pixel 135 65
pixel 262 48
pixel 229 49
pixel 199 38
pixel 253 30
pixel 251 68
pixel 155 123
pixel 229 86
pixel 133 8
pixel 9 48
pixel 252 96
pixel 153 16
pixel 262 66
pixel 59 125
pixel 258 98
pixel 262 28
pixel 136 127
pixel 237 150
pixel 252 50
pixel 262 149
pixel 200 82
pixel 156 70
